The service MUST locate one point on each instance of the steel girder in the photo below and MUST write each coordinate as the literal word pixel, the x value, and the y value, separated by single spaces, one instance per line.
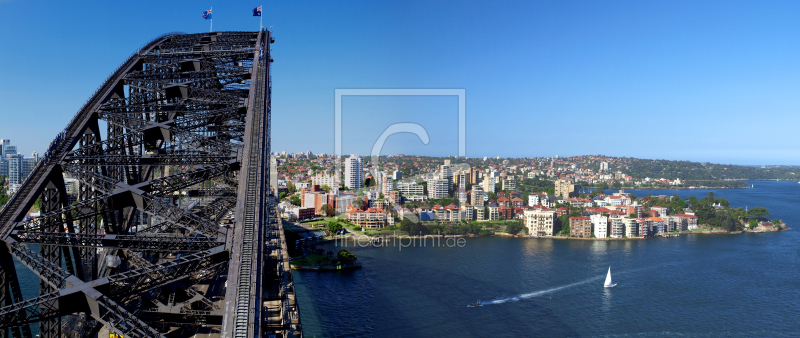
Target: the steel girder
pixel 175 115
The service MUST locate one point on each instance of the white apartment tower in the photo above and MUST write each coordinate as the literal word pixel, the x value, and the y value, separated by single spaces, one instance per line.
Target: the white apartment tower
pixel 354 172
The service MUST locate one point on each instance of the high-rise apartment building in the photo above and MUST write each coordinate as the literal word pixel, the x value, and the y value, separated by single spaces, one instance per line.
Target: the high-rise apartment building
pixel 461 190
pixel 3 166
pixel 473 175
pixel 565 189
pixel 488 184
pixel 9 150
pixel 354 172
pixel 438 188
pixel 446 173
pixel 3 144
pixel 15 170
pixel 604 166
pixel 477 196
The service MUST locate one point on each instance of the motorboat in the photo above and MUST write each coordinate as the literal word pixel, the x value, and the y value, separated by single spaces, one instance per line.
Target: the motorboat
pixel 478 303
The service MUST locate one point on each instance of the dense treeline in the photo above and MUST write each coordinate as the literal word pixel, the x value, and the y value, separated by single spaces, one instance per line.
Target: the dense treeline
pixel 686 170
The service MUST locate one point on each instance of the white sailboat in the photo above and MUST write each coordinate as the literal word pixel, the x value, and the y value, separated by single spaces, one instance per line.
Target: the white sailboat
pixel 608 283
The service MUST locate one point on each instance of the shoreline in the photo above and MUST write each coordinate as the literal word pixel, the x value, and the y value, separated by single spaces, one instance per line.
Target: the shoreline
pixel 366 238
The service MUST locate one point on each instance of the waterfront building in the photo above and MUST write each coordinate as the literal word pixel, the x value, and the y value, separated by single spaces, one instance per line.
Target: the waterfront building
pixel 354 172
pixel 540 222
pixel 631 227
pixel 494 213
pixel 656 225
pixel 480 214
pixel 580 226
pixel 600 225
pixel 690 221
pixel 469 211
pixel 372 218
pixel 617 227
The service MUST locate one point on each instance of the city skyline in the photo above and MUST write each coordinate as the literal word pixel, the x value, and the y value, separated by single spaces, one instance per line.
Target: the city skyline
pixel 705 82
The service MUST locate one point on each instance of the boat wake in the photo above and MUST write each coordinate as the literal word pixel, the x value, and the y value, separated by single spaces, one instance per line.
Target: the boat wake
pixel 539 293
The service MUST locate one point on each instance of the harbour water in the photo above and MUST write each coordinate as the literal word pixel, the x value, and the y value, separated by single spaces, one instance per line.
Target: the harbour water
pixel 694 285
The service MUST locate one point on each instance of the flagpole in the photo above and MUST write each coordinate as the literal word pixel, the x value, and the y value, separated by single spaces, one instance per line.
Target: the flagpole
pixel 211 27
pixel 261 23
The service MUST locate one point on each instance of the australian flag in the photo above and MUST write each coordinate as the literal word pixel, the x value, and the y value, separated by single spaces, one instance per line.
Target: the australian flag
pixel 207 14
pixel 257 11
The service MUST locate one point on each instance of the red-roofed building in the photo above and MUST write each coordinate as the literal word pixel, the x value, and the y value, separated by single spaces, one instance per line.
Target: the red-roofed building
pixel 506 212
pixel 503 202
pixel 561 211
pixel 372 218
pixel 517 202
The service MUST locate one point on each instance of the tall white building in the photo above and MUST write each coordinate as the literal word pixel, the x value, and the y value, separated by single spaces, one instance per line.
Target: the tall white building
pixel 354 172
pixel 600 225
pixel 533 199
pixel 604 166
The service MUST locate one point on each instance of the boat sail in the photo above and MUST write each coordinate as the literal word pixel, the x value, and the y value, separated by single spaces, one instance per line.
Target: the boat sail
pixel 608 283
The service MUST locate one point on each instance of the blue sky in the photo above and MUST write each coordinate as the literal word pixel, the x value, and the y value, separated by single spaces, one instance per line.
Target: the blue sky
pixel 691 80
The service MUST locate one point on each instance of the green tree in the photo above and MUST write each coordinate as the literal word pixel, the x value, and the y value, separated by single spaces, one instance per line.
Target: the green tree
pixel 346 257
pixel 515 228
pixel 334 227
pixel 295 200
pixel 359 203
pixel 758 212
pixel 753 224
pixel 282 196
pixel 291 188
pixel 325 187
pixel 328 210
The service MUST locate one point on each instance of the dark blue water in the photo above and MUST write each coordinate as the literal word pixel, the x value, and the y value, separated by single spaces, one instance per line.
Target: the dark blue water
pixel 695 285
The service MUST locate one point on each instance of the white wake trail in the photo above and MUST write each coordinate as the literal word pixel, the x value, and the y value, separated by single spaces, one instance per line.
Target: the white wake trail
pixel 539 293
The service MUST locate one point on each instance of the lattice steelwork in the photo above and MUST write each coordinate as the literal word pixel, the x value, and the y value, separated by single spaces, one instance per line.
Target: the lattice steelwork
pixel 173 141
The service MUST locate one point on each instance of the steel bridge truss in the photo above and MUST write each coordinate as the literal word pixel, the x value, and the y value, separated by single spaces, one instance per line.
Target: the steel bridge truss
pixel 131 194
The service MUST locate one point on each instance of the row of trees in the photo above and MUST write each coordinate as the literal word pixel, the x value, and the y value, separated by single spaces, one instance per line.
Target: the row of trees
pixel 419 229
